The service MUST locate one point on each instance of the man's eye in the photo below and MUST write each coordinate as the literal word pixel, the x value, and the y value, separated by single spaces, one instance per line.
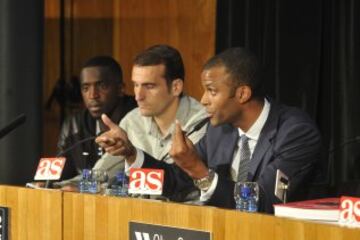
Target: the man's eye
pixel 150 86
pixel 102 85
pixel 84 88
pixel 212 92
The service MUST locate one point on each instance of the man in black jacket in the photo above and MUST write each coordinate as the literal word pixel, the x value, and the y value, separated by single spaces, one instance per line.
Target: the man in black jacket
pixel 101 88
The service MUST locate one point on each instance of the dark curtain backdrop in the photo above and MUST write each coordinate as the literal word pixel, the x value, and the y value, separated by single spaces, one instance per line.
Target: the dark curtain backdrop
pixel 311 53
pixel 21 40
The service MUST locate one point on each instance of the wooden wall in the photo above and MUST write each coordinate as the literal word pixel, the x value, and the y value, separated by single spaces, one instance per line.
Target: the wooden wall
pixel 122 28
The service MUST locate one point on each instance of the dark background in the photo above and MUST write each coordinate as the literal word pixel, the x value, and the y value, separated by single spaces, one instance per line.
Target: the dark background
pixel 310 50
pixel 21 41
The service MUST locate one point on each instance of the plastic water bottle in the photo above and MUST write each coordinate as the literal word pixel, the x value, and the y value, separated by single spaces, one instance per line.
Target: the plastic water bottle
pixel 252 204
pixel 94 184
pixel 85 181
pixel 121 185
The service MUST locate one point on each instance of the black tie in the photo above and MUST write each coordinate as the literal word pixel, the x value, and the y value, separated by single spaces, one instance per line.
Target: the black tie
pixel 244 159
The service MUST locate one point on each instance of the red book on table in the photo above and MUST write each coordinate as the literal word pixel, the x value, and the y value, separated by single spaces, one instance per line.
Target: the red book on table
pixel 325 209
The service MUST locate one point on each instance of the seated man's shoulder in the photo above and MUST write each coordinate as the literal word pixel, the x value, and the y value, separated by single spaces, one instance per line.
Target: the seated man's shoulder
pixel 221 132
pixel 75 120
pixel 296 121
pixel 195 104
pixel 196 112
pixel 132 119
pixel 294 115
pixel 134 113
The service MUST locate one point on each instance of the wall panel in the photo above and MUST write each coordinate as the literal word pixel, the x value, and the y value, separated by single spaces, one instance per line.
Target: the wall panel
pixel 185 24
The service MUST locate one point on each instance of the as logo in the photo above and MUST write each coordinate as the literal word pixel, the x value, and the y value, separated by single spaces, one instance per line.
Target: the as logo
pixel 350 211
pixel 146 181
pixel 50 168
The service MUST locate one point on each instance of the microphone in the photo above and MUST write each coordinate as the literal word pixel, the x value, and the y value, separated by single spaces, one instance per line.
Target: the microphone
pixel 198 126
pixel 187 134
pixel 11 126
pixel 65 151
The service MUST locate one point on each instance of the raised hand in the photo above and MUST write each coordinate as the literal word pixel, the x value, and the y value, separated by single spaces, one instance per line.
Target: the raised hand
pixel 115 141
pixel 185 156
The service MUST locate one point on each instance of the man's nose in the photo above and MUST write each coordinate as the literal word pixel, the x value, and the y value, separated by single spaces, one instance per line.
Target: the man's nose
pixel 93 92
pixel 204 99
pixel 139 94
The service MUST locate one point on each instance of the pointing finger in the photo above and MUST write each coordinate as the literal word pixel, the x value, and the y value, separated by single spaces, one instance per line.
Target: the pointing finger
pixel 107 121
pixel 178 137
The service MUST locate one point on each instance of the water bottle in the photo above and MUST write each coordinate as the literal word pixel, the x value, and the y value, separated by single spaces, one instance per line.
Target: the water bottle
pixel 85 181
pixel 94 184
pixel 121 185
pixel 252 204
pixel 246 196
pixel 247 201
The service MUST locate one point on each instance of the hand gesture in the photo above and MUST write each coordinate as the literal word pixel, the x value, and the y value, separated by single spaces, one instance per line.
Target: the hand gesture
pixel 115 141
pixel 185 156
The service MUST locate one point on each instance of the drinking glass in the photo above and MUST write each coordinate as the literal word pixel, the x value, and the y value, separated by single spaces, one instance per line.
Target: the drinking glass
pixel 246 196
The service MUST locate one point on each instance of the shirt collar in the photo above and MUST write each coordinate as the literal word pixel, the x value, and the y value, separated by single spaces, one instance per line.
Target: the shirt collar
pixel 254 132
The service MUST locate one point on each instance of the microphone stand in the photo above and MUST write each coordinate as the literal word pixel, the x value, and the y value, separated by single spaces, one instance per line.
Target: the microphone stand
pixel 195 129
pixel 63 152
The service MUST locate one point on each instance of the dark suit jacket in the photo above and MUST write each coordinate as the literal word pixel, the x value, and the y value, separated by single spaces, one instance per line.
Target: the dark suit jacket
pixel 289 141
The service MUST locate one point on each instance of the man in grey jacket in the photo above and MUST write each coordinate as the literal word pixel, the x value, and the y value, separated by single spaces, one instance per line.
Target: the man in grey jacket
pixel 158 77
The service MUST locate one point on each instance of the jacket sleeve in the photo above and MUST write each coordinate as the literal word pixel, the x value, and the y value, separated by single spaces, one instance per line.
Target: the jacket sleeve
pixel 177 184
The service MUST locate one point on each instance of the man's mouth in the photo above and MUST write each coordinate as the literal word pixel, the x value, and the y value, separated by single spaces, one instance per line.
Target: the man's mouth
pixel 95 108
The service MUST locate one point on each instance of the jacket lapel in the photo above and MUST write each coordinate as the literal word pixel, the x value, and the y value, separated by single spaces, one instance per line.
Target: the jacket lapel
pixel 227 146
pixel 264 143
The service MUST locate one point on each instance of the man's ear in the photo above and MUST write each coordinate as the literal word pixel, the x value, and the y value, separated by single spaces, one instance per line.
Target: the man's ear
pixel 177 87
pixel 243 93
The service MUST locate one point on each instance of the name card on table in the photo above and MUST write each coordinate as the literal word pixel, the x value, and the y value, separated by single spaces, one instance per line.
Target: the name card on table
pixel 50 168
pixel 349 211
pixel 4 223
pixel 142 231
pixel 146 181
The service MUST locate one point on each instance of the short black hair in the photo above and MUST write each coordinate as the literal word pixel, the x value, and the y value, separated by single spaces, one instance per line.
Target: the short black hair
pixel 166 55
pixel 243 67
pixel 109 67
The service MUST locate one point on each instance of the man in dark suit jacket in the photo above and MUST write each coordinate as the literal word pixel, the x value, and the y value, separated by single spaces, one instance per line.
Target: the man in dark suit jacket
pixel 278 138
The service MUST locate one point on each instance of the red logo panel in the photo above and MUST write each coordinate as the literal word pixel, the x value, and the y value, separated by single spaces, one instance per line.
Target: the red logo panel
pixel 146 181
pixel 350 211
pixel 50 168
